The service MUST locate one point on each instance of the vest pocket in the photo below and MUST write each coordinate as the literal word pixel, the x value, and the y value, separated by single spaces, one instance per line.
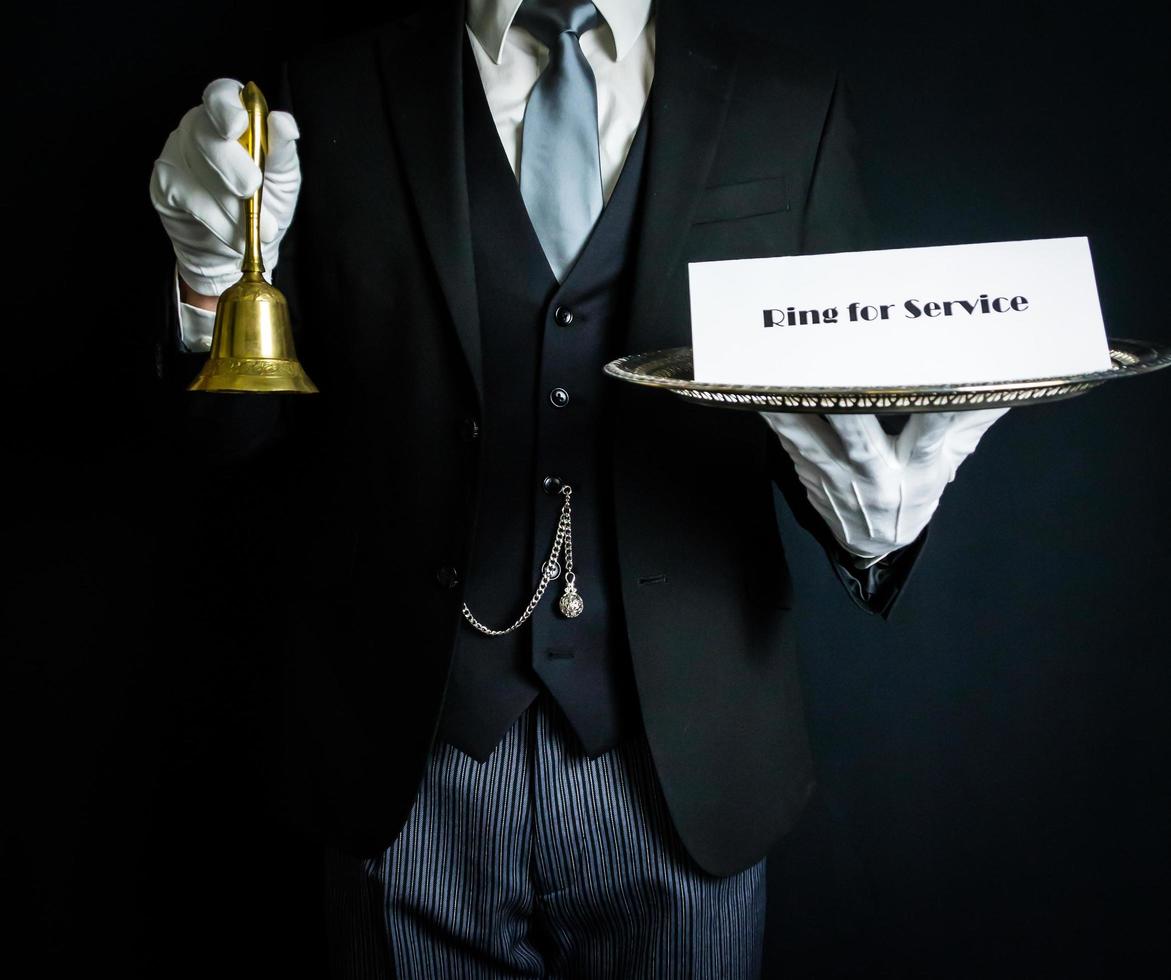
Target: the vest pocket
pixel 744 199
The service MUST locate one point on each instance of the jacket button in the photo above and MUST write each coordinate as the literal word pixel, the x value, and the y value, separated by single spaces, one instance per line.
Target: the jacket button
pixel 447 576
pixel 469 429
pixel 563 316
pixel 559 397
pixel 551 485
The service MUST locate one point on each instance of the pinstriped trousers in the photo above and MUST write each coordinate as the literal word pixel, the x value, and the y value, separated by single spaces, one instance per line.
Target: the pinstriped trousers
pixel 540 862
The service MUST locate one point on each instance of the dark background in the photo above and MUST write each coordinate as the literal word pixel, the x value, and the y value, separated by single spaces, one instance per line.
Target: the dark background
pixel 993 760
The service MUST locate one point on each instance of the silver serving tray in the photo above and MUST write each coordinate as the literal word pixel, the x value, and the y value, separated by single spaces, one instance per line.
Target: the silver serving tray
pixel 670 369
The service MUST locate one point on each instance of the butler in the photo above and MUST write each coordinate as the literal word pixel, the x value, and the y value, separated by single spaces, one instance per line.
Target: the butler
pixel 495 202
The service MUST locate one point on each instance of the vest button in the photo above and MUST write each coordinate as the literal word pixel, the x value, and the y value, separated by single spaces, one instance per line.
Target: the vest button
pixel 447 576
pixel 469 429
pixel 563 316
pixel 559 397
pixel 551 485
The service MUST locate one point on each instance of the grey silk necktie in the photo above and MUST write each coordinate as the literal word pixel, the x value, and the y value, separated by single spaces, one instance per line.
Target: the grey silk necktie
pixel 560 172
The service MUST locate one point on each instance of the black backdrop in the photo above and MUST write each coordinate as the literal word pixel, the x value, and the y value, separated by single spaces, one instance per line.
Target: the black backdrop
pixel 993 760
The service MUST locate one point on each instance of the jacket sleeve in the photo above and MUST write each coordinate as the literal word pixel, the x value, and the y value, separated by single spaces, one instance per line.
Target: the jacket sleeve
pixel 836 219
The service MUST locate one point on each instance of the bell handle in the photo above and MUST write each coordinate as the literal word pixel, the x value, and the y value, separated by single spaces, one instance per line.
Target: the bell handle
pixel 255 141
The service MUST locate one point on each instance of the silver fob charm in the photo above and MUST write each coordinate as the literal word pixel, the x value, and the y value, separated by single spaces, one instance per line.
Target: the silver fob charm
pixel 571 603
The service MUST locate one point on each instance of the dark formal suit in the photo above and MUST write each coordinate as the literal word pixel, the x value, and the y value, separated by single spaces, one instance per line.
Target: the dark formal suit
pixel 749 152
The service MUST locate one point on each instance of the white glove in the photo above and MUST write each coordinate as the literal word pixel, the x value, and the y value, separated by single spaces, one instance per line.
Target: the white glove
pixel 877 491
pixel 202 178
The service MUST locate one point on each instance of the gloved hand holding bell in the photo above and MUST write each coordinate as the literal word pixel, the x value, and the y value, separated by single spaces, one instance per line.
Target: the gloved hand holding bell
pixel 196 187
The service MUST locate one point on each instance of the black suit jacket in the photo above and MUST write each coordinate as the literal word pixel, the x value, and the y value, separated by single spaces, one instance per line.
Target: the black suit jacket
pixel 750 153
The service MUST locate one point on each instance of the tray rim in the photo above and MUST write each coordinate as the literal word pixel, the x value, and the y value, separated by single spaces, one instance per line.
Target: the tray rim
pixel 1161 358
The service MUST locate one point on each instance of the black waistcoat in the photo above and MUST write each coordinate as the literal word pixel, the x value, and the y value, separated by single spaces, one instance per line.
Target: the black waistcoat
pixel 538 337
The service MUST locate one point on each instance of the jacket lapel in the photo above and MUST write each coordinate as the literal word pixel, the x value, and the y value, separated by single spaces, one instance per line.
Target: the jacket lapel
pixel 421 65
pixel 688 99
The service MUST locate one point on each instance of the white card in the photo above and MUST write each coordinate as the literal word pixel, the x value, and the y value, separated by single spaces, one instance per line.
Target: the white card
pixel 948 314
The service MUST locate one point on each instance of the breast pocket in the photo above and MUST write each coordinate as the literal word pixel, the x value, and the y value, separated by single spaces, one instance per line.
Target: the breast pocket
pixel 744 199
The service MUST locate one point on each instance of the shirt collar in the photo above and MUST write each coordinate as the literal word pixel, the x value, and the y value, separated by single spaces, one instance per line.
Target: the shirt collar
pixel 490 20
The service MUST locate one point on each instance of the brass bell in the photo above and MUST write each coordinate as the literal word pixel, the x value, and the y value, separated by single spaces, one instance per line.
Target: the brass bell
pixel 252 337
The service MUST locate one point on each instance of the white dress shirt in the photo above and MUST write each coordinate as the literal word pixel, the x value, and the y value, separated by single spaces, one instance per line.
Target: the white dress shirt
pixel 621 54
